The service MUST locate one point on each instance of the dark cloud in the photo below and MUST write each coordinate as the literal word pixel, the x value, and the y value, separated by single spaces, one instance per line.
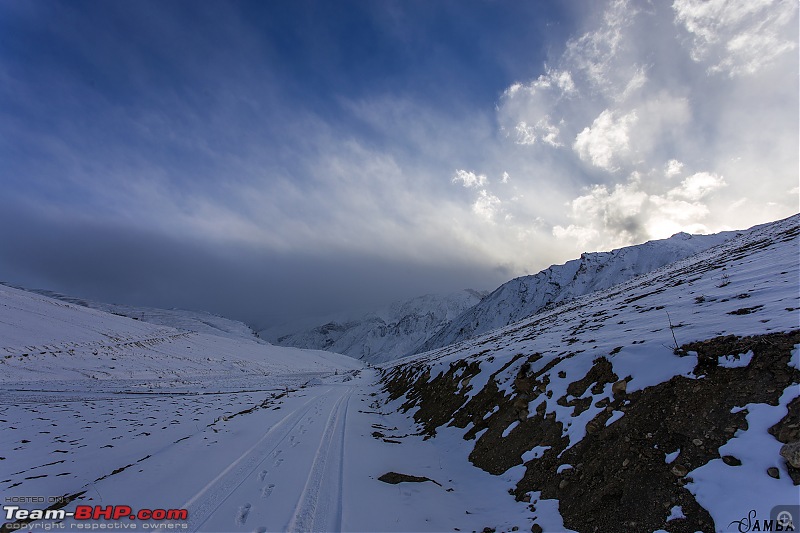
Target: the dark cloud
pixel 119 264
pixel 292 157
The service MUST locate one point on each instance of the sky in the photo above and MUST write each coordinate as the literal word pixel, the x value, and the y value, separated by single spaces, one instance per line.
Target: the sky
pixel 270 160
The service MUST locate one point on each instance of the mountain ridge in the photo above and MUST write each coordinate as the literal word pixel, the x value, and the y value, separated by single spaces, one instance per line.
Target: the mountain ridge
pixel 526 295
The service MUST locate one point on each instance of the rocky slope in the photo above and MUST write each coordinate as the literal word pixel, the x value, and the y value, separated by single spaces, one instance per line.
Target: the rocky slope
pixel 381 335
pixel 524 296
pixel 668 402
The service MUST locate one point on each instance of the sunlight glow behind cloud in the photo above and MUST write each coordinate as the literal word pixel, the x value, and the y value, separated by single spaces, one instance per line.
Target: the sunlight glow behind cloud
pixel 629 121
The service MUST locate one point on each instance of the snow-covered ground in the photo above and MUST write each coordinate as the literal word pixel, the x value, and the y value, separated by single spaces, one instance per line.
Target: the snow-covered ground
pixel 563 413
pixel 246 436
pixel 527 295
pixel 180 319
pixel 600 375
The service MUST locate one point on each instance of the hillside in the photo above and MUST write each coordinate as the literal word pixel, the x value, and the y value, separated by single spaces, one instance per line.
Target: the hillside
pixel 381 335
pixel 180 319
pixel 527 295
pixel 48 339
pixel 668 402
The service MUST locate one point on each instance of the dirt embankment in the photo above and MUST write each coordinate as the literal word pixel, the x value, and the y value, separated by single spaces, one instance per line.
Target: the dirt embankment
pixel 619 480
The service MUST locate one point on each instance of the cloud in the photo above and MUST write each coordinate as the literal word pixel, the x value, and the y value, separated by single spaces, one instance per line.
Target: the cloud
pixel 526 108
pixel 209 130
pixel 629 213
pixel 673 168
pixel 606 140
pixel 469 179
pixel 597 54
pixel 656 92
pixel 696 187
pixel 738 37
pixel 487 205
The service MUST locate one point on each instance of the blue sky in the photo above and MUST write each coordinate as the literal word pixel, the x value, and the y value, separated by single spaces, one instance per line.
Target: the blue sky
pixel 267 159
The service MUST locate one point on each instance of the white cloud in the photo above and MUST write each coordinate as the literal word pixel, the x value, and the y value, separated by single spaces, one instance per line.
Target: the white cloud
pixel 596 54
pixel 629 213
pixel 606 140
pixel 560 79
pixel 673 168
pixel 469 179
pixel 738 36
pixel 505 178
pixel 487 205
pixel 696 186
pixel 542 131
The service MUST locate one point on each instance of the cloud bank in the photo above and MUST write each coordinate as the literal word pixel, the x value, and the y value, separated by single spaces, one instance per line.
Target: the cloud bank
pixel 385 142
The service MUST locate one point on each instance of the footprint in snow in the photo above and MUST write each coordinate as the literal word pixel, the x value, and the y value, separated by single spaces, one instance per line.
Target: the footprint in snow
pixel 267 490
pixel 261 530
pixel 262 475
pixel 241 515
pixel 278 462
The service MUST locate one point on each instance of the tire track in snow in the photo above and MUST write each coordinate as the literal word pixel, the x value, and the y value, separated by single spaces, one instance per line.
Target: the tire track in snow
pixel 313 513
pixel 207 500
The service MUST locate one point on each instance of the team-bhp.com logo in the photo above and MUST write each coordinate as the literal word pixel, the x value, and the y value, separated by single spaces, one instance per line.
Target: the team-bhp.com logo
pixel 21 518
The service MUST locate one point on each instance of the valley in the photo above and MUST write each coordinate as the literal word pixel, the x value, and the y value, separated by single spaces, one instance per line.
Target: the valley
pixel 667 402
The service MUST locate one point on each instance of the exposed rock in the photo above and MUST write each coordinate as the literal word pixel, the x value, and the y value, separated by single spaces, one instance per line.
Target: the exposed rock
pixel 678 413
pixel 791 452
pixel 773 472
pixel 394 478
pixel 679 470
pixel 731 460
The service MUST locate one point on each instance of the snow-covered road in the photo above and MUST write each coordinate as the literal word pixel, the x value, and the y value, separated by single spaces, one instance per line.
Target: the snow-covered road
pixel 308 460
pixel 290 478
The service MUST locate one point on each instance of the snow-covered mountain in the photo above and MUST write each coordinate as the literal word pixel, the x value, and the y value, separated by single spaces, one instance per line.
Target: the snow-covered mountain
pixel 669 401
pixel 180 319
pixel 524 296
pixel 666 402
pixel 43 338
pixel 381 335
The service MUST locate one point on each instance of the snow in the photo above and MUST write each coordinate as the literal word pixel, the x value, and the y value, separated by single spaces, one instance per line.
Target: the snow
pixel 377 335
pixel 254 437
pixel 245 435
pixel 735 361
pixel 628 325
pixel 794 362
pixel 675 513
pixel 615 415
pixel 547 515
pixel 534 453
pixel 525 296
pixel 561 468
pixel 650 365
pixel 510 428
pixel 672 456
pixel 180 319
pixel 730 492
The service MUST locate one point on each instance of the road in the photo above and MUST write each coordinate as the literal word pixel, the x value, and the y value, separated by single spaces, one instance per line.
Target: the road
pixel 290 479
pixel 310 460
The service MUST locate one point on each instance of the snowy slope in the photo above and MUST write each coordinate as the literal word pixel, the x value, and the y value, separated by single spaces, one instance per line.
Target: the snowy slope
pixel 660 403
pixel 384 334
pixel 524 296
pixel 45 338
pixel 103 409
pixel 580 417
pixel 181 319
